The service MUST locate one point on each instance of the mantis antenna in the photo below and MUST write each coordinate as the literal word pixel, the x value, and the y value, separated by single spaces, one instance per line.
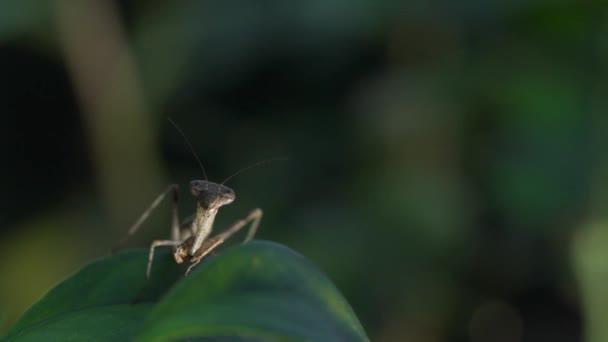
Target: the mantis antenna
pixel 189 145
pixel 261 162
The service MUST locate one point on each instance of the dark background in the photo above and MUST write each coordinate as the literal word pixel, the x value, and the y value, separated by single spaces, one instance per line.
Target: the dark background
pixel 446 162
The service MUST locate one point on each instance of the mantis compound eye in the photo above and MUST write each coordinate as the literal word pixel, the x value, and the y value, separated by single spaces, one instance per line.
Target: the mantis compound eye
pixel 211 195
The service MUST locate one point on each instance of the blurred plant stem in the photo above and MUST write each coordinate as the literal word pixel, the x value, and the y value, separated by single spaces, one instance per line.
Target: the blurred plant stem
pixel 591 269
pixel 122 134
pixel 590 244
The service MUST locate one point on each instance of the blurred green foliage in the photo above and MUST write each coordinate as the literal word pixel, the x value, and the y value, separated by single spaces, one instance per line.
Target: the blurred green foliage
pixel 443 156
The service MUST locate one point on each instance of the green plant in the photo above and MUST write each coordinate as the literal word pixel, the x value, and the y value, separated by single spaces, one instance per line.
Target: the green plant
pixel 256 291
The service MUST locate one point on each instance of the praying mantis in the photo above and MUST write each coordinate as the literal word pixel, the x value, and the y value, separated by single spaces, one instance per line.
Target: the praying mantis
pixel 190 239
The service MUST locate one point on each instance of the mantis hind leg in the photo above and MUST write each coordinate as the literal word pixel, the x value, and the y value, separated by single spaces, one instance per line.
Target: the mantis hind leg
pixel 157 243
pixel 175 226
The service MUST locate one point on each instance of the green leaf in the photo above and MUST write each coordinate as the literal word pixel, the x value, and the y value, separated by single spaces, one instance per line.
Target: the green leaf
pixel 256 291
pixel 118 279
pixel 259 290
pixel 111 323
